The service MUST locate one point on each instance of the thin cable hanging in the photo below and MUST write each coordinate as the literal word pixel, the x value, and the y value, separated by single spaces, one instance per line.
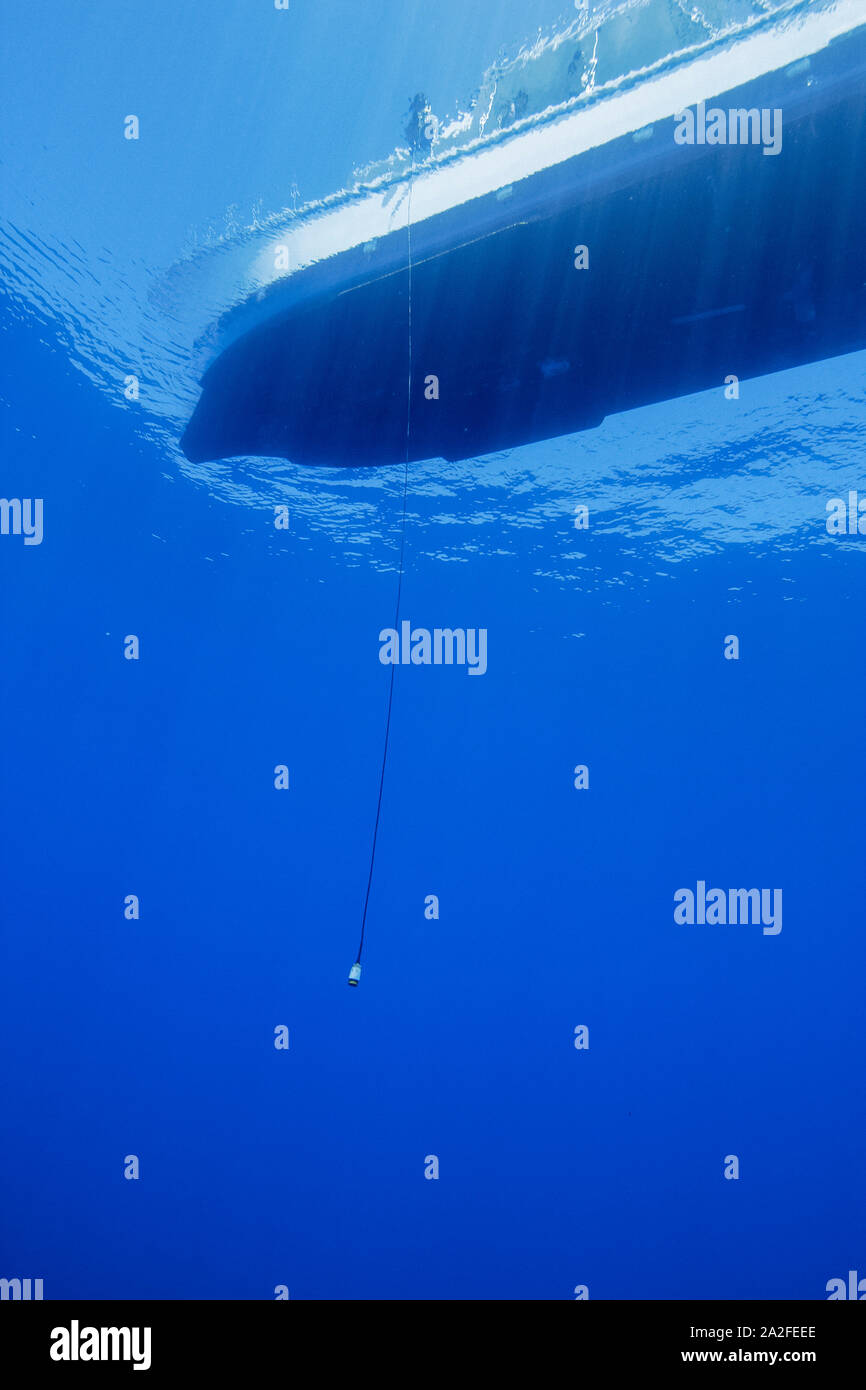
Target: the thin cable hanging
pixel 355 972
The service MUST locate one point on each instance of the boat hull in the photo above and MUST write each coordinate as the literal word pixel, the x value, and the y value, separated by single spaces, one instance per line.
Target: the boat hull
pixel 702 262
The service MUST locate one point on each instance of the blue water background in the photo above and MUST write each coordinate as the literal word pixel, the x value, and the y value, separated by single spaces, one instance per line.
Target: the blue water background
pixel 259 1167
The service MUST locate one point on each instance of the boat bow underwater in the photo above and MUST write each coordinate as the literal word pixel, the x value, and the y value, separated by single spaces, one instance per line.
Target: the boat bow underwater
pixel 631 250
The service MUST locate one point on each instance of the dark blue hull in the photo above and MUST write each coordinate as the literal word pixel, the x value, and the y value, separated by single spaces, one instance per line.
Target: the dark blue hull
pixel 524 345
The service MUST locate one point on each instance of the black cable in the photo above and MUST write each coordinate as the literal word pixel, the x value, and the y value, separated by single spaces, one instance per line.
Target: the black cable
pixel 399 580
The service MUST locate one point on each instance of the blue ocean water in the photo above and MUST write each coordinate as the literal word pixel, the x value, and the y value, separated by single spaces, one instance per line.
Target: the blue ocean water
pixel 304 1168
